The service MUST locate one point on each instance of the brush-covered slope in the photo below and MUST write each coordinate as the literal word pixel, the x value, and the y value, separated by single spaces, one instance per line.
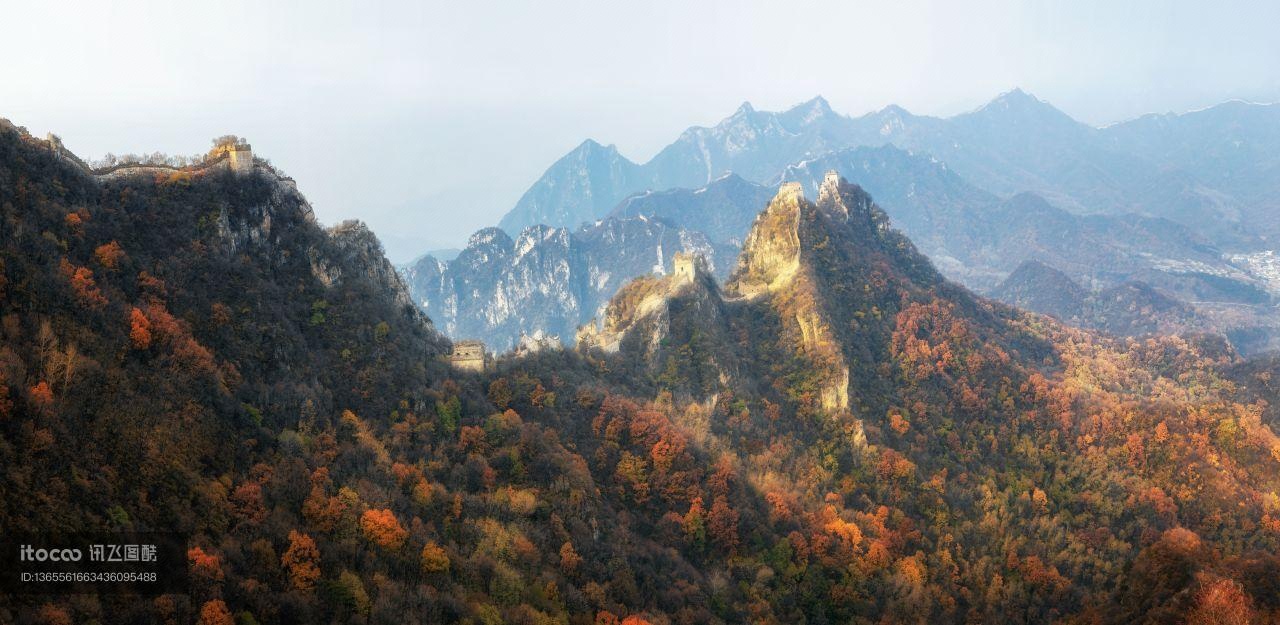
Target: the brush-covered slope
pixel 968 461
pixel 1129 309
pixel 189 351
pixel 838 435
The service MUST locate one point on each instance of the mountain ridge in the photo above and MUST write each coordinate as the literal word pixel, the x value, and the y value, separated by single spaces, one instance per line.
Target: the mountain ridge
pixel 972 235
pixel 1012 144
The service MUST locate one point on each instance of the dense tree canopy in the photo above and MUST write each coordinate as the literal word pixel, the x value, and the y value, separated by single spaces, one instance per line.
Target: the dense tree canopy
pixel 195 353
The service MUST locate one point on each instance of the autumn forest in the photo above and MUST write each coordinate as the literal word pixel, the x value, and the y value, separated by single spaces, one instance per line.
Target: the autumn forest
pixel 835 434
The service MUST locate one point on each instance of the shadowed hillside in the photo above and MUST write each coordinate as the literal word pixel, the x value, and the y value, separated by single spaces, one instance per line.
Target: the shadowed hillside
pixel 836 435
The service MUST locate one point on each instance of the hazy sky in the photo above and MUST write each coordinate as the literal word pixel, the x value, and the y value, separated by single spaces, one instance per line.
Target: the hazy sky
pixel 429 119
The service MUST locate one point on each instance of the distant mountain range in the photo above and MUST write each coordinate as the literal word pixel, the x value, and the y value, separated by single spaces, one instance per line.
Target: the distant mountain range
pixel 1213 169
pixel 1129 308
pixel 547 279
pixel 1180 204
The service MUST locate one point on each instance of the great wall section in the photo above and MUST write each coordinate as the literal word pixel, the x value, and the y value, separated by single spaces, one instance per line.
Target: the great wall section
pixel 237 156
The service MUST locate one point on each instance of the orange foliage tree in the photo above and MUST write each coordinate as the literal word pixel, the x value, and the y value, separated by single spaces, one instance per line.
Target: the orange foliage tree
pixel 139 330
pixel 301 561
pixel 383 529
pixel 109 255
pixel 1221 602
pixel 83 284
pixel 50 614
pixel 434 559
pixel 215 613
pixel 569 558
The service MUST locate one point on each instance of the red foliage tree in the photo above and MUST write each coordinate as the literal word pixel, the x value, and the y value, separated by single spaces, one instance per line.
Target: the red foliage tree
pixel 722 523
pixel 41 395
pixel 50 614
pixel 204 566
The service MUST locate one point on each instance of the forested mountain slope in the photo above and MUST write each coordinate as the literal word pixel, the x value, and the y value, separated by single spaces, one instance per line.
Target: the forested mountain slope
pixel 836 435
pixel 1033 471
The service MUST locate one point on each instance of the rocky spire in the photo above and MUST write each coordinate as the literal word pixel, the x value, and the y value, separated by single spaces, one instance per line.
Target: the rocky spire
pixel 829 193
pixel 771 251
pixel 849 203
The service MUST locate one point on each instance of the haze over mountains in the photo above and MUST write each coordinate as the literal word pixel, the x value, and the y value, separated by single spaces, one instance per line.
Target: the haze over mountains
pixel 1215 162
pixel 1184 204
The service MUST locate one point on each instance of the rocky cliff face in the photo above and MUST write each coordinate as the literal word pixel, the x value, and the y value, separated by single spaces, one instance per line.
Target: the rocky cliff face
pixel 547 279
pixel 813 289
pixel 641 312
pixel 356 248
pixel 771 253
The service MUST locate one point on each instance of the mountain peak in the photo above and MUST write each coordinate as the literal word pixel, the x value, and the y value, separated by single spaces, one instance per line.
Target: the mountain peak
pixel 1020 123
pixel 831 182
pixel 792 192
pixel 771 252
pixel 591 146
pixel 807 112
pixel 1016 95
pixel 816 104
pixel 1037 286
pixel 639 314
pixel 745 109
pixel 848 202
pixel 1017 100
pixel 893 110
pixel 490 236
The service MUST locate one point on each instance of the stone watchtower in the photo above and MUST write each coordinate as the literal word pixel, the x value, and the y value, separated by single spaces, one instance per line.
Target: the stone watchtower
pixel 233 153
pixel 791 190
pixel 831 179
pixel 55 144
pixel 686 265
pixel 240 157
pixel 469 356
pixel 829 192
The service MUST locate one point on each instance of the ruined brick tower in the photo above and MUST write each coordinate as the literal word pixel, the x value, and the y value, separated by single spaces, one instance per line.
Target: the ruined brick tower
pixel 469 356
pixel 685 266
pixel 240 157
